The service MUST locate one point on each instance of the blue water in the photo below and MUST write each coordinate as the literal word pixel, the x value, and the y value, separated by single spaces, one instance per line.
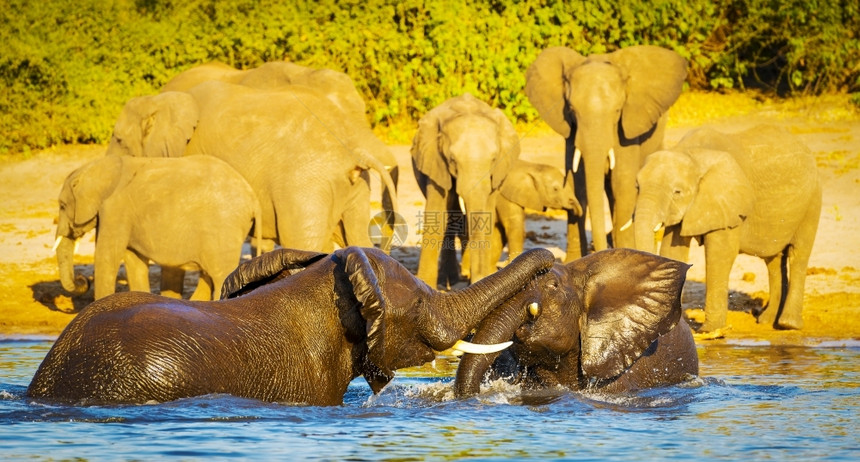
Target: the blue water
pixel 751 402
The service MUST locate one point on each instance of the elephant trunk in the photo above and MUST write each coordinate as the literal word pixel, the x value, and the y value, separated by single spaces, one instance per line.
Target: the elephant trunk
pixel 598 158
pixel 648 221
pixel 499 326
pixel 76 285
pixel 480 208
pixel 462 310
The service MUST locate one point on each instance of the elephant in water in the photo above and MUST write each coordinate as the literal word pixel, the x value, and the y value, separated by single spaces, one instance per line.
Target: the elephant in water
pixel 610 321
pixel 611 109
pixel 190 211
pixel 463 149
pixel 755 192
pixel 277 335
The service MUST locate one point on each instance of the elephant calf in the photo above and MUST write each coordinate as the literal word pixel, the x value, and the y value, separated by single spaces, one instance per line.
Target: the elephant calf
pixel 755 192
pixel 529 185
pixel 194 211
pixel 463 149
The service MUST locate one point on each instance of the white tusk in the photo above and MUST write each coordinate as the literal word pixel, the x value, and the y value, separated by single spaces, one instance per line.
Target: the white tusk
pixel 56 244
pixel 462 205
pixel 658 227
pixel 463 346
pixel 77 243
pixel 611 159
pixel 627 225
pixel 577 155
pixel 534 309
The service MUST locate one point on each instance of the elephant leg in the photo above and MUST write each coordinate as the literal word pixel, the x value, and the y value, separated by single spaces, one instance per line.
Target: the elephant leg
pixel 388 205
pixel 110 249
pixel 799 251
pixel 172 281
pixel 721 249
pixel 623 198
pixel 203 291
pixel 356 215
pixel 137 271
pixel 674 245
pixel 513 225
pixel 776 277
pixel 498 244
pixel 450 270
pixel 577 240
pixel 432 227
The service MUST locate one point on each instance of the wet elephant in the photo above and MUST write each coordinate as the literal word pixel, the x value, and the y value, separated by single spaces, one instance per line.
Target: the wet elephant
pixel 293 326
pixel 610 321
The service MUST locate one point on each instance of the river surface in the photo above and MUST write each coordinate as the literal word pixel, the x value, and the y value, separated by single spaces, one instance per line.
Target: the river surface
pixel 751 402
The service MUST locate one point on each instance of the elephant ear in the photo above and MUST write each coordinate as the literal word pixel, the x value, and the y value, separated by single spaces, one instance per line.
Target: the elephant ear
pixel 169 124
pixel 725 196
pixel 655 78
pixel 521 187
pixel 367 289
pixel 426 151
pixel 266 269
pixel 630 298
pixel 92 184
pixel 545 85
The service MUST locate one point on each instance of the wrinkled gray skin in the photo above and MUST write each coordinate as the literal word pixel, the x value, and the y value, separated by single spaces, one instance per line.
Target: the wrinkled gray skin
pixel 529 185
pixel 610 321
pixel 605 103
pixel 463 149
pixel 140 210
pixel 297 338
pixel 755 192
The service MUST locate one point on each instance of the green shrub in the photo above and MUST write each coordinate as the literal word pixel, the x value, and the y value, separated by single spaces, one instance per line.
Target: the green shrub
pixel 66 68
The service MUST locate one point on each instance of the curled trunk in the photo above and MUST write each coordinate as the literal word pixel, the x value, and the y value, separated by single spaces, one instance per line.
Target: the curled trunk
pixel 76 285
pixel 461 311
pixel 498 326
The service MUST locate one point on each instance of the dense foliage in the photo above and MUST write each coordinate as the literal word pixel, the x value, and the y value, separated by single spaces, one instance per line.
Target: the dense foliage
pixel 67 67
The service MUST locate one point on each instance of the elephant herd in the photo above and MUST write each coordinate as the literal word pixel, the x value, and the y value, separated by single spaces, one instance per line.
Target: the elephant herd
pixel 283 153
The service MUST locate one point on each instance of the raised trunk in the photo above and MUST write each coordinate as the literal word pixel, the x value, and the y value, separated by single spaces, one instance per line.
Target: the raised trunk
pixel 76 285
pixel 460 311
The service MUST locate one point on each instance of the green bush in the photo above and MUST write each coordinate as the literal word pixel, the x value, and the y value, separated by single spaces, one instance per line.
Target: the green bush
pixel 67 67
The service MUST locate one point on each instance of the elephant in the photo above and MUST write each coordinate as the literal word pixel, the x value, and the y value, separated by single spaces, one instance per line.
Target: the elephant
pixel 755 192
pixel 292 326
pixel 608 322
pixel 530 185
pixel 611 110
pixel 189 211
pixel 336 86
pixel 305 161
pixel 463 148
